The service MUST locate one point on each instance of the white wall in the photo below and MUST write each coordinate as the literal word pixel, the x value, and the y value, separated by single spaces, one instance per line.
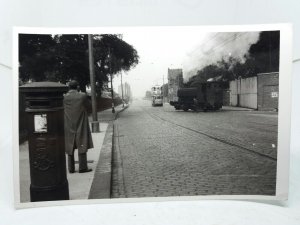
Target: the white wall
pixel 246 89
pixel 233 90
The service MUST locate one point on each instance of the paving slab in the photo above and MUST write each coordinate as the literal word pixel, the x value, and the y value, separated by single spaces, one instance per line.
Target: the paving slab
pixel 79 183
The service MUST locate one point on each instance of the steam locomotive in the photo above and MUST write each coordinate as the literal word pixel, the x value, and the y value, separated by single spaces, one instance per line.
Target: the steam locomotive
pixel 200 96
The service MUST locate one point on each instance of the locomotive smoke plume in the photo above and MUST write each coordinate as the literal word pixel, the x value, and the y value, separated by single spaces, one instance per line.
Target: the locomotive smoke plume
pixel 218 46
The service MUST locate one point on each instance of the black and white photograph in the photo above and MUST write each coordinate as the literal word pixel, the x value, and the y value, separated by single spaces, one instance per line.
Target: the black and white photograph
pixel 148 113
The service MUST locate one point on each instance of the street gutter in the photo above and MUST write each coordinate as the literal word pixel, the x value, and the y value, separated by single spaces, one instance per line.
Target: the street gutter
pixel 101 185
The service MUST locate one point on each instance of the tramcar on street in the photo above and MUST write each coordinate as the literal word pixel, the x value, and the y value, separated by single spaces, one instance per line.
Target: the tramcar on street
pixel 156 95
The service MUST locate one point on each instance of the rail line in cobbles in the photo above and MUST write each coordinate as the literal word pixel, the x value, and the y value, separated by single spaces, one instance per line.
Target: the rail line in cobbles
pixel 156 158
pixel 211 136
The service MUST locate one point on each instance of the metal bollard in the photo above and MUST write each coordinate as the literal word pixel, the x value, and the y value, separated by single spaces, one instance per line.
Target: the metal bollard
pixel 46 141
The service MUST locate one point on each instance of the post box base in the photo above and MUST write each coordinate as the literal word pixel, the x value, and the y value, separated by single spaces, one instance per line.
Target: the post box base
pixel 54 193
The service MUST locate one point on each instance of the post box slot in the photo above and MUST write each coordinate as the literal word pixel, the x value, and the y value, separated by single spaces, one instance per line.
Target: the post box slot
pixel 40 103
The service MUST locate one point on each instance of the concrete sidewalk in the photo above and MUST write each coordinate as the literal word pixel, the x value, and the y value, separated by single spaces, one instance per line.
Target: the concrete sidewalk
pixel 236 108
pixel 79 183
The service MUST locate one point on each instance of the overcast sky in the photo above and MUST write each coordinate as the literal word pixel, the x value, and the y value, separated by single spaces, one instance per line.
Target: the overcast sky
pixel 182 47
pixel 158 51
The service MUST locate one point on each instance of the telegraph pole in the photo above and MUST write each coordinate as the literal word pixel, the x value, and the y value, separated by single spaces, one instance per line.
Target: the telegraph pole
pixel 95 122
pixel 163 88
pixel 111 83
pixel 122 89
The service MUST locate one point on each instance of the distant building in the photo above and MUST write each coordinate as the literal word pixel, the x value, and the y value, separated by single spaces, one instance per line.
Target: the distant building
pixel 148 94
pixel 127 95
pixel 267 91
pixel 175 81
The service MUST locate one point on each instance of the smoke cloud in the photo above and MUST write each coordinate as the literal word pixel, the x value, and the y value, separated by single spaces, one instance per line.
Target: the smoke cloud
pixel 218 46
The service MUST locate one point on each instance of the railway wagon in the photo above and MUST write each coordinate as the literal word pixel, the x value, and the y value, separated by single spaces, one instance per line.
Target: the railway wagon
pixel 201 96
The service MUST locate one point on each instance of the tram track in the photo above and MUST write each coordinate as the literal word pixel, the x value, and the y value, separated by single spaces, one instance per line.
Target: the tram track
pixel 154 116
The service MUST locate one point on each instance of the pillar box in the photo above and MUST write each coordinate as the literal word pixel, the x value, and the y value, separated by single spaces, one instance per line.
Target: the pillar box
pixel 46 141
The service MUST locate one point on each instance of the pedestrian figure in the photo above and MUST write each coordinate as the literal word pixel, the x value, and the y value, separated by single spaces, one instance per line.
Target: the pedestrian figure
pixel 77 130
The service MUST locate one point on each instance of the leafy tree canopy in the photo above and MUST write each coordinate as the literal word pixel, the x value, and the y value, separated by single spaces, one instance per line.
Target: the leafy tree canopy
pixel 64 57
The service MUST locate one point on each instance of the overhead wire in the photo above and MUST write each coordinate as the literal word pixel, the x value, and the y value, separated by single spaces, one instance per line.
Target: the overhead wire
pixel 210 40
pixel 225 42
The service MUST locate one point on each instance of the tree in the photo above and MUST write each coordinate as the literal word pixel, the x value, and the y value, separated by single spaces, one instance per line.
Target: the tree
pixel 123 55
pixel 72 52
pixel 65 57
pixel 220 70
pixel 112 55
pixel 265 52
pixel 36 56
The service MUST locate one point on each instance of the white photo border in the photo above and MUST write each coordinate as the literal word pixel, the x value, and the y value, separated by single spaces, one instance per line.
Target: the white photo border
pixel 284 112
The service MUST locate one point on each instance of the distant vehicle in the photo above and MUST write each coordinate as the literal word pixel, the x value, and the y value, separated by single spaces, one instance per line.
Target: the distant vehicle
pixel 156 95
pixel 157 100
pixel 156 90
pixel 201 96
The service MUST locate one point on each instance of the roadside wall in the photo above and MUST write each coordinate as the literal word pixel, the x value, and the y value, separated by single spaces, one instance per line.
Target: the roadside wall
pixel 243 92
pixel 268 91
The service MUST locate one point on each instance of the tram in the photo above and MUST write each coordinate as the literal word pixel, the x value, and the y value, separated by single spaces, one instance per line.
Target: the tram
pixel 156 95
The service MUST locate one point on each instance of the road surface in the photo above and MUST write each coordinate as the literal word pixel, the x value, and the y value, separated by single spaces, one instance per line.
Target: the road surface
pixel 162 152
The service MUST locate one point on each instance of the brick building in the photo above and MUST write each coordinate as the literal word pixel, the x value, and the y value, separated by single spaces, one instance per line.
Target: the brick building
pixel 258 92
pixel 267 91
pixel 175 81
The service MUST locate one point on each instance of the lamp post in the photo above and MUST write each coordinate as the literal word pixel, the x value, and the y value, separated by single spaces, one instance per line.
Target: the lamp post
pixel 163 88
pixel 95 122
pixel 112 95
pixel 122 89
pixel 111 82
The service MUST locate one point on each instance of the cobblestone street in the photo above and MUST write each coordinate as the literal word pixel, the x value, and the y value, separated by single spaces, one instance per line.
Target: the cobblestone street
pixel 163 152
